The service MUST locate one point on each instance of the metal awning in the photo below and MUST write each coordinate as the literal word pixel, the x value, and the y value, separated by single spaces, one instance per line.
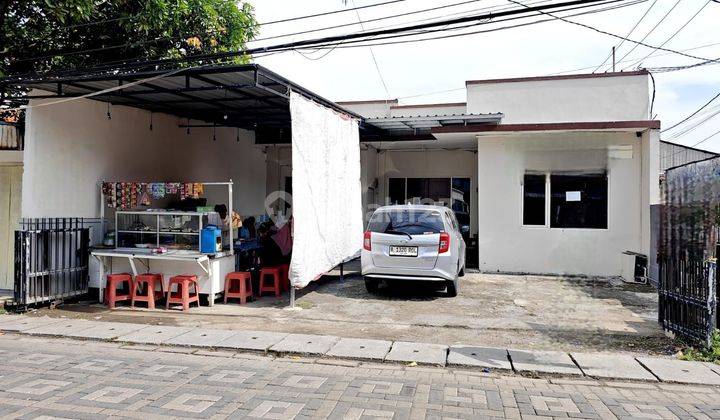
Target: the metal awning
pixel 245 96
pixel 420 127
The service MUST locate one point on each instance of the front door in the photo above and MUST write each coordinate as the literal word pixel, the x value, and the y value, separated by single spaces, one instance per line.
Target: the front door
pixel 10 188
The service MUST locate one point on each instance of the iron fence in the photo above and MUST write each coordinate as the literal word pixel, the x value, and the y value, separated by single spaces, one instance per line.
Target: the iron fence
pixel 688 297
pixel 688 248
pixel 51 260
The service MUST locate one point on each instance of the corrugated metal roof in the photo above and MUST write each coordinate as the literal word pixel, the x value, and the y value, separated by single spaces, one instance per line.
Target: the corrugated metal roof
pixel 247 96
pixel 416 125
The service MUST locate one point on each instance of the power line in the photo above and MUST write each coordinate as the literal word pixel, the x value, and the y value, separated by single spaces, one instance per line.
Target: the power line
pixel 617 47
pixel 706 139
pixel 503 28
pixel 353 36
pixel 694 145
pixel 418 95
pixel 709 115
pixel 659 55
pixel 366 21
pixel 673 35
pixel 651 30
pixel 372 53
pixel 323 43
pixel 254 51
pixel 460 13
pixel 620 37
pixel 685 67
pixel 693 114
pixel 179 38
pixel 130 44
pixel 356 43
pixel 264 23
pixel 331 12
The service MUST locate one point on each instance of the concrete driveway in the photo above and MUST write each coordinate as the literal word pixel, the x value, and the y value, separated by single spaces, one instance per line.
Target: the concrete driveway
pixel 509 311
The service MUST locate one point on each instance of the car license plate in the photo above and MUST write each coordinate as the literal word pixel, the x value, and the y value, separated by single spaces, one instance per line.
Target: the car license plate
pixel 403 251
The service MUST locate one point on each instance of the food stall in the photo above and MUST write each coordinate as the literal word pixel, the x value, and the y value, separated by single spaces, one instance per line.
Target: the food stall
pixel 208 122
pixel 161 239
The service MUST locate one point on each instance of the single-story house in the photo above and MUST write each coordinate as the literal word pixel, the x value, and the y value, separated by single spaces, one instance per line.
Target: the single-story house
pixel 558 173
pixel 553 174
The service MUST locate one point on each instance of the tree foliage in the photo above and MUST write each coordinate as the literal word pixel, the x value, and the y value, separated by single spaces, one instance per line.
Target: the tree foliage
pixel 48 35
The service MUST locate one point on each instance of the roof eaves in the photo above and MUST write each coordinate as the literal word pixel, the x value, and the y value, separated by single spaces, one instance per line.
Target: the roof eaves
pixel 368 102
pixel 690 147
pixel 439 105
pixel 564 126
pixel 642 72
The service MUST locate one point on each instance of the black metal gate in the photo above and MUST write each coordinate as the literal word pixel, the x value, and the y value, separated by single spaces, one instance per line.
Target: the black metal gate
pixel 51 260
pixel 687 258
pixel 688 297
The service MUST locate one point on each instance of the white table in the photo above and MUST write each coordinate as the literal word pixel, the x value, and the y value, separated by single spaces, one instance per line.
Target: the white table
pixel 144 257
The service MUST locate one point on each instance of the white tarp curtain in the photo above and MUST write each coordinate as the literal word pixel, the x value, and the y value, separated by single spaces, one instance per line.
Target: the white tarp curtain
pixel 326 202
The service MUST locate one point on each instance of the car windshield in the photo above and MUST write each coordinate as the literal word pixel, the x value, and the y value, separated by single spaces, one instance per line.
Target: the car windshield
pixel 407 222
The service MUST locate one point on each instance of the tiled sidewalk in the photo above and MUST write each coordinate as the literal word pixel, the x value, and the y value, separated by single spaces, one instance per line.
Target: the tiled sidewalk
pixel 60 378
pixel 601 366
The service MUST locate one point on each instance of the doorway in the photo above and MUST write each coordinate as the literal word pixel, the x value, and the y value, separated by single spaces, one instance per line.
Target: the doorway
pixel 450 192
pixel 10 195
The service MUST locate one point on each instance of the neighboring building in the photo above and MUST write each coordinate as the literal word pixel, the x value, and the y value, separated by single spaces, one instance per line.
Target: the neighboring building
pixel 560 172
pixel 673 154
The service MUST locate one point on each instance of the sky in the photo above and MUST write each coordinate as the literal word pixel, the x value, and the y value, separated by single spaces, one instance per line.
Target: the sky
pixel 436 71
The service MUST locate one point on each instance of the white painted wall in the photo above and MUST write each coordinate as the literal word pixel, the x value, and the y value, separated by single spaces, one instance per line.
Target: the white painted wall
pixel 501 160
pixel 370 183
pixel 506 245
pixel 279 166
pixel 619 98
pixel 71 147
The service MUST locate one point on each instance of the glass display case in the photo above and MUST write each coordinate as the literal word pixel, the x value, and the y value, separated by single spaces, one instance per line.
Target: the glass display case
pixel 151 229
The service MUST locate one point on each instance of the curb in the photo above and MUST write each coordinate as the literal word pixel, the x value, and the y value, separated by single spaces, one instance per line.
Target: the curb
pixel 337 350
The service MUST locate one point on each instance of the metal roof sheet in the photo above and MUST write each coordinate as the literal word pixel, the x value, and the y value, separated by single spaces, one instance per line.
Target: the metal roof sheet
pixel 245 96
pixel 419 125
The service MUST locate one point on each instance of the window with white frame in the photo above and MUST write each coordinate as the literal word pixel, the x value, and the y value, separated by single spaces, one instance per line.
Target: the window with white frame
pixel 576 200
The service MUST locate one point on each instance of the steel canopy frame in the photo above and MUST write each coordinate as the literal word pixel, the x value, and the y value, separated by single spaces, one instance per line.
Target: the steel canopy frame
pixel 243 96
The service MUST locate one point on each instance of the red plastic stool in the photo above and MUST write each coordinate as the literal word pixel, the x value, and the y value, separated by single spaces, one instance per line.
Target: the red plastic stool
pixel 284 276
pixel 273 272
pixel 182 295
pixel 148 282
pixel 111 289
pixel 238 284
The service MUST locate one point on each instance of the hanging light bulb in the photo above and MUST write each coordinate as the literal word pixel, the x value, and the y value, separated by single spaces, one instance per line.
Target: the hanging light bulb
pixel 188 126
pixel 237 138
pixel 108 111
pixel 214 138
pixel 151 121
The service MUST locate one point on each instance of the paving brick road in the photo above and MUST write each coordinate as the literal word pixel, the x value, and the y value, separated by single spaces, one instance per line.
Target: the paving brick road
pixel 61 378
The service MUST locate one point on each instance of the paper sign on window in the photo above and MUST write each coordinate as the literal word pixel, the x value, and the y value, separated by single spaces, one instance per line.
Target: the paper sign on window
pixel 572 195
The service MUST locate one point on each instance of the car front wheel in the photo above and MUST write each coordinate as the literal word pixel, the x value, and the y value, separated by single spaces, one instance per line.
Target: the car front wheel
pixel 452 288
pixel 371 285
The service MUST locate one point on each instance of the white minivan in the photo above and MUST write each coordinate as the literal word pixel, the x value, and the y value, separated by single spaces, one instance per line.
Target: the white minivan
pixel 413 242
